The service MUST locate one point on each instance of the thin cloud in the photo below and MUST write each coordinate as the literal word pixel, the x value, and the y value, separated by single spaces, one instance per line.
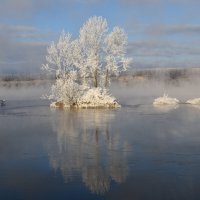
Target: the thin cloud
pixel 161 49
pixel 21 55
pixel 21 8
pixel 158 2
pixel 173 29
pixel 160 54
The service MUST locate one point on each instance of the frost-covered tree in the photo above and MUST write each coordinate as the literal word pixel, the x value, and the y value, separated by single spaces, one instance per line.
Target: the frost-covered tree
pixel 115 49
pixel 60 61
pixel 104 52
pixel 86 63
pixel 60 56
pixel 92 37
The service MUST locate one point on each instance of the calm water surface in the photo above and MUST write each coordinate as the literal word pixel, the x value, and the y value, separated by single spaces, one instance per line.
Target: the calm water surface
pixel 136 152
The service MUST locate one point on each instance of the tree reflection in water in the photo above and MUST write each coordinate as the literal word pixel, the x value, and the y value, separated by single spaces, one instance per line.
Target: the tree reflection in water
pixel 88 146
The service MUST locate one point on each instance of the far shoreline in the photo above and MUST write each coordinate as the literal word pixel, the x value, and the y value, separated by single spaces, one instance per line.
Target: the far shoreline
pixel 168 75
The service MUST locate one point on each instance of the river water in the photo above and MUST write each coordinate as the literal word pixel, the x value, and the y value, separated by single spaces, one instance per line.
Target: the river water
pixel 135 152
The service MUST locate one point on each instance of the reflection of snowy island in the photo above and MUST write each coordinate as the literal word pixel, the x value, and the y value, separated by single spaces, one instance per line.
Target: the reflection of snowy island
pixel 165 100
pixel 93 98
pixel 90 148
pixel 166 108
pixel 195 101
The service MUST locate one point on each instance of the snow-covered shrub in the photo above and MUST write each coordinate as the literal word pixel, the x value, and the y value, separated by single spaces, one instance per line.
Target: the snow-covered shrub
pixel 65 93
pixel 97 97
pixel 165 100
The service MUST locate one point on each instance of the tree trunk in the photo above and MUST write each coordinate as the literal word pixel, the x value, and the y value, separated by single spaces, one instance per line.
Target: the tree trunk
pixel 106 79
pixel 95 78
pixel 84 80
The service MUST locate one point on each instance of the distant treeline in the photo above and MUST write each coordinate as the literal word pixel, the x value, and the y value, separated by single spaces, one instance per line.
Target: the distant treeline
pixel 168 74
pixel 25 77
pixel 157 74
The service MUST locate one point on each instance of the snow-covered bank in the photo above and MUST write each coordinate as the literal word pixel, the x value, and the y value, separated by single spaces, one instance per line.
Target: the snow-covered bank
pixel 195 101
pixel 61 105
pixel 165 100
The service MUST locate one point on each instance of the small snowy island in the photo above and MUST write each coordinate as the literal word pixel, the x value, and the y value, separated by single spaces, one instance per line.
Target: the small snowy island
pixel 93 98
pixel 83 66
pixel 165 100
pixel 195 101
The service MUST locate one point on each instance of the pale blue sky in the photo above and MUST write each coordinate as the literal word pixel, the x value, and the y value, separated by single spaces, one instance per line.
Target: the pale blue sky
pixel 162 33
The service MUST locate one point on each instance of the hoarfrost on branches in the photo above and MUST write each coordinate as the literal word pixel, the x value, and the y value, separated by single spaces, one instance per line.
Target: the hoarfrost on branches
pixel 83 66
pixel 60 56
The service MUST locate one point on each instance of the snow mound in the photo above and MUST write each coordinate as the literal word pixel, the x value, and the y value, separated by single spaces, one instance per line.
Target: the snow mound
pixel 195 101
pixel 92 98
pixel 165 100
pixel 97 97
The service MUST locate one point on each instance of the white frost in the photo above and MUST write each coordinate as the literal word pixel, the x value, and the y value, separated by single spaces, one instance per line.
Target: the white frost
pixel 165 100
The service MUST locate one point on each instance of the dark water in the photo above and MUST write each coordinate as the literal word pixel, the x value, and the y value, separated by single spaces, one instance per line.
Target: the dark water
pixel 135 152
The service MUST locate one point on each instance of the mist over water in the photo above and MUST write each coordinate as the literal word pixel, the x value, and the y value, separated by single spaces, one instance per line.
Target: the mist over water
pixel 135 152
pixel 144 92
pixel 127 91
